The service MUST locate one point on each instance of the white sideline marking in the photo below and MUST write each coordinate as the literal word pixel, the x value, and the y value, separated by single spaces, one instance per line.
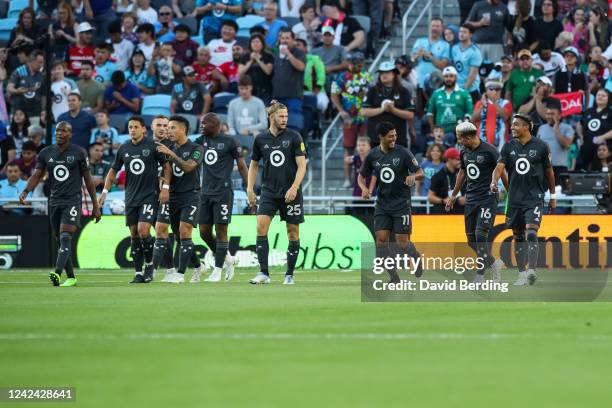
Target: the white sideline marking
pixel 303 336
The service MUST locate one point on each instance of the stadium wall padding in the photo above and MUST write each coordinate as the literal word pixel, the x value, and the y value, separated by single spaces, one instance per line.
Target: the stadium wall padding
pixel 36 240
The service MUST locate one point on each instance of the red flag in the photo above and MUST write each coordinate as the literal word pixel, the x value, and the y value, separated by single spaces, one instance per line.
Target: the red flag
pixel 571 103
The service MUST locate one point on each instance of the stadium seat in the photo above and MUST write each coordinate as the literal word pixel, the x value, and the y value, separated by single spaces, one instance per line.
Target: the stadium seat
pixel 364 22
pixel 118 122
pixel 194 125
pixel 296 122
pixel 291 21
pixel 6 26
pixel 190 22
pixel 3 9
pixel 221 101
pixel 123 138
pixel 198 39
pixel 248 22
pixel 15 7
pixel 158 104
pixel 193 137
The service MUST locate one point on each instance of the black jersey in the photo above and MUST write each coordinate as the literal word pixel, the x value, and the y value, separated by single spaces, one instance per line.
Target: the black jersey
pixel 141 163
pixel 182 182
pixel 478 165
pixel 65 171
pixel 526 166
pixel 219 155
pixel 279 165
pixel 391 169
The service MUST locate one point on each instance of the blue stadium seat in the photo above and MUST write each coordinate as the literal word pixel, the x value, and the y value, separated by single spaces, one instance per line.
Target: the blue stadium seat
pixel 291 21
pixel 221 101
pixel 6 26
pixel 296 121
pixel 15 7
pixel 193 136
pixel 198 39
pixel 309 101
pixel 119 122
pixel 123 138
pixel 365 23
pixel 248 22
pixel 190 22
pixel 158 104
pixel 194 125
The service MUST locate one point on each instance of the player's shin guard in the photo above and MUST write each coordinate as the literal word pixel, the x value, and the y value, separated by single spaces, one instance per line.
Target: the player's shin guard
pixel 195 260
pixel 416 258
pixel 293 250
pixel 221 253
pixel 147 246
pixel 472 242
pixel 159 252
pixel 262 250
pixel 533 248
pixel 383 251
pixel 185 255
pixel 168 254
pixel 483 250
pixel 137 254
pixel 63 254
pixel 520 251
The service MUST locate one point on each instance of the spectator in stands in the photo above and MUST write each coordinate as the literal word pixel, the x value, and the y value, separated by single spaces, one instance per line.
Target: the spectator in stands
pixel 332 55
pixel 190 96
pixel 82 122
pixel 430 54
pixel 467 59
pixel 550 60
pixel 27 161
pixel 570 79
pixel 559 137
pixel 215 12
pixel 431 165
pixel 492 115
pixel 246 115
pixel 185 49
pixel 488 19
pixel 443 181
pixel 307 28
pixel 535 105
pixel 12 186
pixel 290 8
pixel 288 75
pixel 137 74
pixel 163 69
pixel 451 35
pixel 258 64
pixel 348 92
pixel 26 31
pixel 522 79
pixel 577 26
pixel 104 66
pixel 356 161
pixel 106 135
pixel 83 50
pixel 25 86
pixel 272 24
pixel 18 128
pixel 60 88
pixel 183 8
pixel 602 160
pixel 507 65
pixel 221 48
pixel 8 153
pixel 449 105
pixel 146 41
pixel 521 28
pixel 164 28
pixel 465 6
pixel 349 32
pixel 121 97
pixel 373 9
pixel 595 127
pixel 388 101
pixel 599 31
pixel 229 69
pixel 102 14
pixel 407 76
pixel 35 135
pixel 314 76
pixel 91 91
pixel 122 48
pixel 128 28
pixel 97 165
pixel 207 73
pixel 124 6
pixel 548 26
pixel 63 30
pixel 145 14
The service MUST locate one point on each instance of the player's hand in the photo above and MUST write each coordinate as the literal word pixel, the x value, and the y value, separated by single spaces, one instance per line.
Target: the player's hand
pixel 22 198
pixel 450 203
pixel 102 199
pixel 163 149
pixel 410 180
pixel 252 198
pixel 552 204
pixel 164 196
pixel 290 194
pixel 96 213
pixel 494 188
pixel 365 194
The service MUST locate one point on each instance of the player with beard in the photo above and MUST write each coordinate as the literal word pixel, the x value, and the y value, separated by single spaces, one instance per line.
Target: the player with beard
pixel 478 160
pixel 396 171
pixel 217 199
pixel 142 193
pixel 283 157
pixel 68 168
pixel 527 161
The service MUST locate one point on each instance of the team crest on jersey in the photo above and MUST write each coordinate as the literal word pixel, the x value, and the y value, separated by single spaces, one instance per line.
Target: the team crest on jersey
pixel 285 144
pixel 532 153
pixel 396 161
pixel 479 159
pixel 146 152
pixel 69 159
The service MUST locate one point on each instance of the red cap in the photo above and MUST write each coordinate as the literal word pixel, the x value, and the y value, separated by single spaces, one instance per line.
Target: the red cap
pixel 451 153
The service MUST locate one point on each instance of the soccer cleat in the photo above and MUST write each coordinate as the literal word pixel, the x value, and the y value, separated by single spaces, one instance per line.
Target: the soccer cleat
pixel 531 276
pixel 69 282
pixel 197 273
pixel 522 279
pixel 260 278
pixel 176 278
pixel 55 278
pixel 418 272
pixel 215 276
pixel 169 273
pixel 149 273
pixel 138 278
pixel 496 268
pixel 288 280
pixel 230 266
pixel 478 278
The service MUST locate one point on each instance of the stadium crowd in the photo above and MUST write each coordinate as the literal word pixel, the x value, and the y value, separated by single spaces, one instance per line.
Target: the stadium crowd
pixel 111 59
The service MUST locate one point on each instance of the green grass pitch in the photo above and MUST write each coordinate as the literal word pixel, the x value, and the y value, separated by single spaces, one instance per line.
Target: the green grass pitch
pixel 311 345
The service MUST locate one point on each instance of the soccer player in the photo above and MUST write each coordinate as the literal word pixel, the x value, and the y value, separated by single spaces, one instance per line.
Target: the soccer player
pixel 527 161
pixel 283 154
pixel 478 160
pixel 396 170
pixel 141 161
pixel 186 158
pixel 68 169
pixel 217 199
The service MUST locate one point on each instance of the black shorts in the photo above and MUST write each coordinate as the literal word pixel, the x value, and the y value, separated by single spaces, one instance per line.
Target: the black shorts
pixel 519 218
pixel 216 209
pixel 291 213
pixel 67 214
pixel 184 210
pixel 480 216
pixel 396 222
pixel 163 213
pixel 146 212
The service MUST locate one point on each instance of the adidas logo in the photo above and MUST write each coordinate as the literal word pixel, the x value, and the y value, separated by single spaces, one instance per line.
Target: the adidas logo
pixel 512 153
pixel 266 147
pixel 51 160
pixel 72 219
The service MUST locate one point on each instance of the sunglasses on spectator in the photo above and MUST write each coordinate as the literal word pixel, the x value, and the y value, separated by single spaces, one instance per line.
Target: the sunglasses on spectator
pixel 494 88
pixel 165 14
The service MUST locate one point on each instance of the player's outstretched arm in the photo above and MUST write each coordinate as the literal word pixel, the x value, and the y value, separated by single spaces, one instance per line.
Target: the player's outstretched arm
pixel 252 176
pixel 91 189
pixel 31 185
pixel 499 169
pixel 243 170
pixel 108 183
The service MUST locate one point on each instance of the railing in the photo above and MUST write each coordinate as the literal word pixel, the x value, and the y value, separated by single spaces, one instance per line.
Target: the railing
pixel 325 152
pixel 427 8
